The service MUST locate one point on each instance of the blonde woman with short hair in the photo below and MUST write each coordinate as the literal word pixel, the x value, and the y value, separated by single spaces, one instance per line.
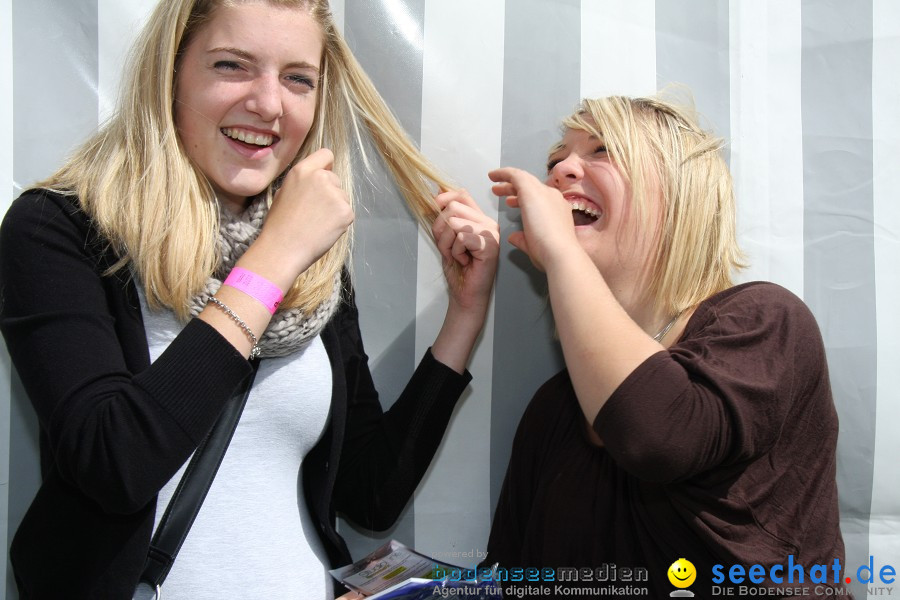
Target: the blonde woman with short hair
pixel 694 419
pixel 208 223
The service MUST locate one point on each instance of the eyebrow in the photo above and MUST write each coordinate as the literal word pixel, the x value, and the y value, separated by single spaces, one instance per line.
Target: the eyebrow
pixel 251 58
pixel 556 148
pixel 559 146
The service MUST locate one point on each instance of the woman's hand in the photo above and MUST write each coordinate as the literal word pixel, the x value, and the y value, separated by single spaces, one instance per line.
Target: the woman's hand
pixel 308 214
pixel 467 237
pixel 548 228
pixel 464 235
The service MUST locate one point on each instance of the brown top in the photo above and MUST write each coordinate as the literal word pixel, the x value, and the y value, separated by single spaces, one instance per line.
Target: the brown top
pixel 720 450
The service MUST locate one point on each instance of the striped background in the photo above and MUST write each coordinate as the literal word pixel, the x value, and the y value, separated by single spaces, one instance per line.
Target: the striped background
pixel 806 91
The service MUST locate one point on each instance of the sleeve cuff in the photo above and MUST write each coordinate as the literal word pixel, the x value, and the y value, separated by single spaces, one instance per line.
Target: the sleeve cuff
pixel 430 362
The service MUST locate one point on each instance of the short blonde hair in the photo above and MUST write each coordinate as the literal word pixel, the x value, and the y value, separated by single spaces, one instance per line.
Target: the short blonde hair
pixel 159 212
pixel 658 145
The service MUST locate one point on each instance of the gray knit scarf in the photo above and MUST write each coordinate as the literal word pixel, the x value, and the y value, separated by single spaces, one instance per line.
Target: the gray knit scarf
pixel 289 329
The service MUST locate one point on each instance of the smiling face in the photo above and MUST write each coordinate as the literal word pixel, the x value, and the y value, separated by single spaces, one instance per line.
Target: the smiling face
pixel 600 196
pixel 682 573
pixel 246 95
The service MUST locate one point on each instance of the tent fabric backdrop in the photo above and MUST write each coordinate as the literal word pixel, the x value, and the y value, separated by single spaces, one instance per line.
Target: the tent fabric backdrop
pixel 805 92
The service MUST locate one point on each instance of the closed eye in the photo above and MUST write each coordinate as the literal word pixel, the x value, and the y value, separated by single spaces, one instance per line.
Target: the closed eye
pixel 226 65
pixel 302 80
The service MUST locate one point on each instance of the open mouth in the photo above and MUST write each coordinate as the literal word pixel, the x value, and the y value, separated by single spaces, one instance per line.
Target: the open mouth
pixel 584 214
pixel 249 138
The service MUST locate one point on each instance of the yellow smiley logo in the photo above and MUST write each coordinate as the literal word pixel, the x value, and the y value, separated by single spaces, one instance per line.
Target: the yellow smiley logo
pixel 682 573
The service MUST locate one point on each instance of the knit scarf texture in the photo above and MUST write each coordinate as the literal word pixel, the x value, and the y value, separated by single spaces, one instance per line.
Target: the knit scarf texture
pixel 290 329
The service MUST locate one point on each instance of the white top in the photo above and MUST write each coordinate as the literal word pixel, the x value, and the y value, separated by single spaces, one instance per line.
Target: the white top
pixel 254 537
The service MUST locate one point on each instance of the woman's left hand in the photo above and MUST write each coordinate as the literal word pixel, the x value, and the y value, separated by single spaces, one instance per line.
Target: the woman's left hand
pixel 464 235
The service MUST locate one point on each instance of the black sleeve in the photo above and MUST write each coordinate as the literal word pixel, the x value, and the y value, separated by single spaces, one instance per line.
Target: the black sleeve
pixel 114 433
pixel 720 396
pixel 385 454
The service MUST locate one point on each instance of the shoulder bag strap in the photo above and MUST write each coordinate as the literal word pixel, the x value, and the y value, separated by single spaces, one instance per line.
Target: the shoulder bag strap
pixel 192 489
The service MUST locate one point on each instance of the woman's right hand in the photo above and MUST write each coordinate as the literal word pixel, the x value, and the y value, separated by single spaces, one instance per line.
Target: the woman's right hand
pixel 308 214
pixel 548 231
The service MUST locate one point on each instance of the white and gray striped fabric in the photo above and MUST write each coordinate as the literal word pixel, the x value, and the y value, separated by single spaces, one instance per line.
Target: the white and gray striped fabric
pixel 802 89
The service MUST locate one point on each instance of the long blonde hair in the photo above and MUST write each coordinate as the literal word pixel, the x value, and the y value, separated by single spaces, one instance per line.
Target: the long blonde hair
pixel 159 212
pixel 659 145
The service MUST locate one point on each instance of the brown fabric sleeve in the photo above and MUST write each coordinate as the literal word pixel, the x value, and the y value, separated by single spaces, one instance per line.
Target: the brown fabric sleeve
pixel 721 394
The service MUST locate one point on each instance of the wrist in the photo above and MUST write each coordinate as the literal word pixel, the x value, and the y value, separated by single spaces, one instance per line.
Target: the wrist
pixel 564 254
pixel 470 317
pixel 456 340
pixel 256 286
pixel 462 326
pixel 272 266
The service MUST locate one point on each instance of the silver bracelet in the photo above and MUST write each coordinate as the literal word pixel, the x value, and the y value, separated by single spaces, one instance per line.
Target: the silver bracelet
pixel 255 350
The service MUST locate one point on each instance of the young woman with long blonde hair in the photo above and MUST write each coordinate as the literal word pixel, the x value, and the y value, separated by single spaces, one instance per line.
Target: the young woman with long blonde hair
pixel 206 223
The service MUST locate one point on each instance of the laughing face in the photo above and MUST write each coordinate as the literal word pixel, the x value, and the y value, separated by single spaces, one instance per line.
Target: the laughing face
pixel 246 96
pixel 600 197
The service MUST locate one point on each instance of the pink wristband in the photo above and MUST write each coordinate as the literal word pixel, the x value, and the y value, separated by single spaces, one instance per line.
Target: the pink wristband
pixel 258 287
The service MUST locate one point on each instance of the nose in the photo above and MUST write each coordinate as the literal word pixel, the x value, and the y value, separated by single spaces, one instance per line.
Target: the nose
pixel 567 171
pixel 264 97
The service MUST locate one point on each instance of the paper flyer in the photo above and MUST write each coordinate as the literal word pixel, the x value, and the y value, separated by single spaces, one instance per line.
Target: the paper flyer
pixel 386 567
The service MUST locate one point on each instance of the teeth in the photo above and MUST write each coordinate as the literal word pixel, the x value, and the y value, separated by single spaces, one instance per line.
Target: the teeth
pixel 583 207
pixel 248 137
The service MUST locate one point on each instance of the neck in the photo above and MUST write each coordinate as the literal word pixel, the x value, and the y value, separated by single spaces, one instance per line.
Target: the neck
pixel 236 207
pixel 640 309
pixel 233 204
pixel 656 323
pixel 630 295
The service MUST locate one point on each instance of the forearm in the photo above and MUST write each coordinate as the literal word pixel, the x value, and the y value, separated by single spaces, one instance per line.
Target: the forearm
pixel 386 454
pixel 263 260
pixel 251 312
pixel 458 335
pixel 601 344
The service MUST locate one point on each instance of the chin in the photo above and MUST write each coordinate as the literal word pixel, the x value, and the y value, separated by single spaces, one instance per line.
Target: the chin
pixel 247 189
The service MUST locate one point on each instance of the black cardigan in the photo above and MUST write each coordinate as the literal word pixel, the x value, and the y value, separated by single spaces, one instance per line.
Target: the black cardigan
pixel 114 428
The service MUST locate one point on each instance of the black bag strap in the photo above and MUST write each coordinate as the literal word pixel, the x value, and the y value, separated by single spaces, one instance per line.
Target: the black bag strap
pixel 191 491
